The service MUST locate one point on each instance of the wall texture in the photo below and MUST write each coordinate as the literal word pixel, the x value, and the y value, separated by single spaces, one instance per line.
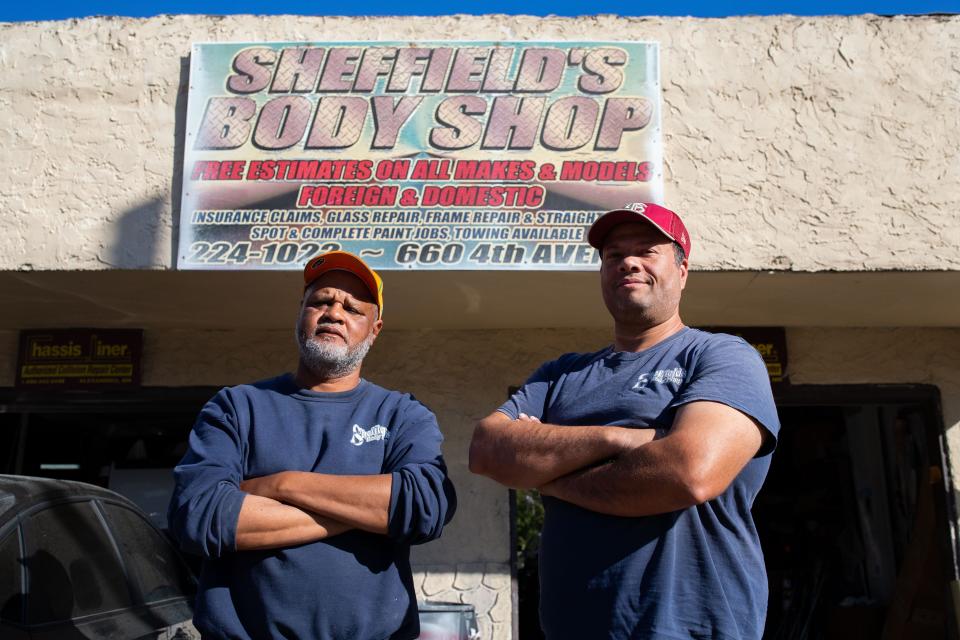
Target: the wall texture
pixel 816 143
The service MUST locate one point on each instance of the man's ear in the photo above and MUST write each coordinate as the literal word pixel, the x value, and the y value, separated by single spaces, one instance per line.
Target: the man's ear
pixel 377 326
pixel 683 273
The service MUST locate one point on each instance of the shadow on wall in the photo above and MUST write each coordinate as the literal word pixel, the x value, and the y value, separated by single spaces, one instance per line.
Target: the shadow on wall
pixel 140 240
pixel 138 237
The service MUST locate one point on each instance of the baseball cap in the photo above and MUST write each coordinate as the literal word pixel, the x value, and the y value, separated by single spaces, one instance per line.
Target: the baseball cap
pixel 343 261
pixel 662 218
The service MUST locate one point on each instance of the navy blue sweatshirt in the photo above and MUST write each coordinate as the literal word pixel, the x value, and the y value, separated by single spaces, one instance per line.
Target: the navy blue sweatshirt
pixel 356 585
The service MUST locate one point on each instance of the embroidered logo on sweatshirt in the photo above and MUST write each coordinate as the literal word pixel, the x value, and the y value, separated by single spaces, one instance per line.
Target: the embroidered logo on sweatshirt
pixel 374 433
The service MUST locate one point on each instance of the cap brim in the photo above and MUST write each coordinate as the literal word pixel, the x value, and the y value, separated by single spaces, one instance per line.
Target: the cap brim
pixel 602 226
pixel 342 261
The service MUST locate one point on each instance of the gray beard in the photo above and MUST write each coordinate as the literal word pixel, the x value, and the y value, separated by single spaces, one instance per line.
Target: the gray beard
pixel 327 360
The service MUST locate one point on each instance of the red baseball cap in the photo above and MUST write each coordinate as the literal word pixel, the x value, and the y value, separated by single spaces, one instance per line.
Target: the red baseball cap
pixel 666 221
pixel 343 261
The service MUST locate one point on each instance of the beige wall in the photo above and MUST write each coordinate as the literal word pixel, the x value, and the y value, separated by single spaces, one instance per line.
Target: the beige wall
pixel 463 375
pixel 809 143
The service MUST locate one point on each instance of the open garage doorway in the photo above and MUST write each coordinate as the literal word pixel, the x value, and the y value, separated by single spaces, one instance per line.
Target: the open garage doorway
pixel 854 518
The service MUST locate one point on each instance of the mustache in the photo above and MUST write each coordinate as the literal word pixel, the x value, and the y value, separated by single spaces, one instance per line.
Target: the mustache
pixel 329 327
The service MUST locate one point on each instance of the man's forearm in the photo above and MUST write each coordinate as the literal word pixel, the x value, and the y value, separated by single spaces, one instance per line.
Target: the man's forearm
pixel 639 483
pixel 265 523
pixel 708 445
pixel 362 502
pixel 526 453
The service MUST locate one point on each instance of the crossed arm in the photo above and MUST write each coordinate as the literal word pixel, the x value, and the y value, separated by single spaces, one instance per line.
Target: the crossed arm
pixel 410 502
pixel 214 510
pixel 616 470
pixel 525 453
pixel 295 507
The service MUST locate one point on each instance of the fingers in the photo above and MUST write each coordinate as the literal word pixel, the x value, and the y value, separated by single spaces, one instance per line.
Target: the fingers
pixel 524 416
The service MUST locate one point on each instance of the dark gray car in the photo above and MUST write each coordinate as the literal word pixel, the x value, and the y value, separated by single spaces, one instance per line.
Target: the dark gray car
pixel 79 561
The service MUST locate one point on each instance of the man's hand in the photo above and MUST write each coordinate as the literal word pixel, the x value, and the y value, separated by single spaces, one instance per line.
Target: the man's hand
pixel 525 453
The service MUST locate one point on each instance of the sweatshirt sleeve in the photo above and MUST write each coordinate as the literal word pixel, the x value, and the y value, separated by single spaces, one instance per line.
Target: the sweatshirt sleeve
pixel 422 497
pixel 206 500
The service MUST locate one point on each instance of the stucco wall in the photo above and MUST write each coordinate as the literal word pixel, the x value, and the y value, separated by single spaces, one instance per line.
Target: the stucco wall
pixel 814 143
pixel 463 375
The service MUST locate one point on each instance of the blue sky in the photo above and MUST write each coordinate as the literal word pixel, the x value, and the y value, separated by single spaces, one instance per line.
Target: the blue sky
pixel 18 10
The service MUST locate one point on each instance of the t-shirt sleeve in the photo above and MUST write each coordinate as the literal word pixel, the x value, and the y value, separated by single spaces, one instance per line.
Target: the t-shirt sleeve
pixel 531 398
pixel 732 372
pixel 422 497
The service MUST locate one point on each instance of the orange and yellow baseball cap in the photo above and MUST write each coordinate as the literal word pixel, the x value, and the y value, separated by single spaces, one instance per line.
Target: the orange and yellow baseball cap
pixel 343 261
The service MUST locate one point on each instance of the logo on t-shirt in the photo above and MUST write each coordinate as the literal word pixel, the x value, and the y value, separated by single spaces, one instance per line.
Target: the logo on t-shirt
pixel 660 376
pixel 374 433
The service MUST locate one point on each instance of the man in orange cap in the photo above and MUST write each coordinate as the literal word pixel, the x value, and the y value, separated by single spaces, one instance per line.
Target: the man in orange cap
pixel 648 453
pixel 304 492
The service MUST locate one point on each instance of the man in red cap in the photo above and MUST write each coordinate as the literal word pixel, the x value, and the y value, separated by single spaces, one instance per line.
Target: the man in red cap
pixel 648 454
pixel 304 492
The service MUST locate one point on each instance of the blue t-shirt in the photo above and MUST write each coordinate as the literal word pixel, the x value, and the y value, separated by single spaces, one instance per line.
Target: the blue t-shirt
pixel 350 586
pixel 695 573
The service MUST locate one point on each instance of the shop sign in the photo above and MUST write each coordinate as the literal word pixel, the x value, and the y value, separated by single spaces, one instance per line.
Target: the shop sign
pixel 431 155
pixel 771 342
pixel 79 358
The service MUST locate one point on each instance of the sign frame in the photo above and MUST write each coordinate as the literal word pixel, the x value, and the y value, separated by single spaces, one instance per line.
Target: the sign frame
pixel 79 358
pixel 561 131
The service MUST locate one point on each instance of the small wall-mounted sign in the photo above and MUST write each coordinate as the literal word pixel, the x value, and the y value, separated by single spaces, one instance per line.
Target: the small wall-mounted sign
pixel 79 358
pixel 771 342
